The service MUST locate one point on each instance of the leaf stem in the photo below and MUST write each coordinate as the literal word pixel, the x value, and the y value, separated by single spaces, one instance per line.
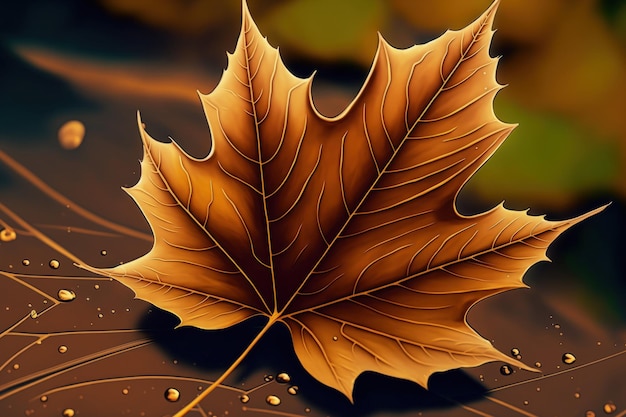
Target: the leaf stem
pixel 227 372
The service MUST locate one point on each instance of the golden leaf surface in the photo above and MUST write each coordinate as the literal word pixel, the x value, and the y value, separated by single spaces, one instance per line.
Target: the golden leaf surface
pixel 344 229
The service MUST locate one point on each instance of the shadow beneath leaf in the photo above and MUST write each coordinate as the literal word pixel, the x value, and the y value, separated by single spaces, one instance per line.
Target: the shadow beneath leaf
pixel 211 352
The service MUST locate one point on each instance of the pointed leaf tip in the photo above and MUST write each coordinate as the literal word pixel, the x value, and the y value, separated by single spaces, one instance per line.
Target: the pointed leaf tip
pixel 488 16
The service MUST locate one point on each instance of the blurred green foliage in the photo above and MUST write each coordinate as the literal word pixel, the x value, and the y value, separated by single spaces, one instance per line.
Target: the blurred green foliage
pixel 548 159
pixel 327 29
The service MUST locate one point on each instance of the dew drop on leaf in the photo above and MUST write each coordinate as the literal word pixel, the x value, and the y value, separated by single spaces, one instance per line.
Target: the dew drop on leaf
pixel 172 395
pixel 283 378
pixel 609 408
pixel 590 413
pixel 335 338
pixel 54 264
pixel 268 378
pixel 43 398
pixel 272 400
pixel 7 235
pixel 97 287
pixel 293 390
pixel 125 391
pixel 568 358
pixel 577 395
pixel 103 252
pixel 33 314
pixel 25 262
pixel 16 366
pixel 506 370
pixel 62 349
pixel 538 364
pixel 244 398
pixel 66 295
pixel 68 412
pixel 71 134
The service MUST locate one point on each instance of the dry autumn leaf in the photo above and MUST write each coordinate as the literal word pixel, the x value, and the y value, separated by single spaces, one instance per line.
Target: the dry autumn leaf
pixel 344 229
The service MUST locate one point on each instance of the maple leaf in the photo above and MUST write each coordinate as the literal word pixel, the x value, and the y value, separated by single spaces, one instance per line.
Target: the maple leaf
pixel 344 229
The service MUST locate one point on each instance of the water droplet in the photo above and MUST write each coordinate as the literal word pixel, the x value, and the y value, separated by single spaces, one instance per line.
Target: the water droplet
pixel 568 358
pixel 538 364
pixel 609 408
pixel 172 395
pixel 307 410
pixel 33 314
pixel 272 400
pixel 293 390
pixel 283 377
pixel 43 398
pixel 244 398
pixel 103 252
pixel 335 338
pixel 268 378
pixel 16 366
pixel 125 391
pixel 7 235
pixel 577 395
pixel 54 264
pixel 557 326
pixel 97 287
pixel 66 295
pixel 25 262
pixel 515 352
pixel 62 349
pixel 506 370
pixel 71 134
pixel 526 402
pixel 68 412
pixel 100 315
pixel 590 413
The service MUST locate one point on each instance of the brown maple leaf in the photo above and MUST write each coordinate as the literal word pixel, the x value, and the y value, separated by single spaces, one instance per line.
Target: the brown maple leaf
pixel 344 229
